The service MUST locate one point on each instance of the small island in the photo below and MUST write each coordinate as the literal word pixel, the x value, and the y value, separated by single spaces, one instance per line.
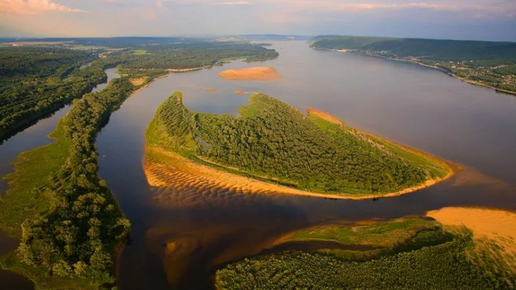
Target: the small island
pixel 273 147
pixel 251 74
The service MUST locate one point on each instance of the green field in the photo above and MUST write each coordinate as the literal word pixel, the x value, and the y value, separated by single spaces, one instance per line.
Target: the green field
pixel 275 142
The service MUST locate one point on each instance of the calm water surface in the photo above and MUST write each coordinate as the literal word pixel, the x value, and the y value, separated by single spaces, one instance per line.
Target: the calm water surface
pixel 32 137
pixel 179 245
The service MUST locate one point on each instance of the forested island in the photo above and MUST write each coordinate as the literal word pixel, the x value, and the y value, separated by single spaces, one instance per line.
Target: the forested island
pixel 490 64
pixel 69 224
pixel 408 253
pixel 274 143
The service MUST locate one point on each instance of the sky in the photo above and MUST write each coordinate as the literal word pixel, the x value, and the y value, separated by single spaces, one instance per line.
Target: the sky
pixel 444 19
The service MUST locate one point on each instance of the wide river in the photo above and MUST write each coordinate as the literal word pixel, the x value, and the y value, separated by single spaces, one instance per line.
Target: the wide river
pixel 178 243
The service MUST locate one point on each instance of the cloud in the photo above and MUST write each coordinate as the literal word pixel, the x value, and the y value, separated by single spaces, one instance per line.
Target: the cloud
pixel 233 3
pixel 31 7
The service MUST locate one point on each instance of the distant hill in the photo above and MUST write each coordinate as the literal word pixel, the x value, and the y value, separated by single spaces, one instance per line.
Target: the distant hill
pixel 484 63
pixel 424 48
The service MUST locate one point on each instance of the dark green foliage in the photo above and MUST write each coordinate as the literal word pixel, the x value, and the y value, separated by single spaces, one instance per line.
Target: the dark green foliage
pixel 275 141
pixel 38 81
pixel 35 82
pixel 198 54
pixel 442 266
pixel 80 236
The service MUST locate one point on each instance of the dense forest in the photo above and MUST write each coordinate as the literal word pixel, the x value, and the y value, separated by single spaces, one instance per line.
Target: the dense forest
pixel 36 81
pixel 480 62
pixel 421 256
pixel 275 141
pixel 69 224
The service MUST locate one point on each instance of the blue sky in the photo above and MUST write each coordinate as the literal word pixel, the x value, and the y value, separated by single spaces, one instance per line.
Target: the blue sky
pixel 452 19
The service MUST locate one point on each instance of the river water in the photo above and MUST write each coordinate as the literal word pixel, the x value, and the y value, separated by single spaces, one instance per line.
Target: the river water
pixel 32 137
pixel 179 244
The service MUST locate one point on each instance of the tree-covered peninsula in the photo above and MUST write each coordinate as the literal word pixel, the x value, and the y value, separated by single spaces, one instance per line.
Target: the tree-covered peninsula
pixel 274 142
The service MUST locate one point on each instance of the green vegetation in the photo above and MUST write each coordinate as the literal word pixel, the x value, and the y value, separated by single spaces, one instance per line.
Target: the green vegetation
pixel 480 62
pixel 69 224
pixel 37 81
pixel 273 141
pixel 415 254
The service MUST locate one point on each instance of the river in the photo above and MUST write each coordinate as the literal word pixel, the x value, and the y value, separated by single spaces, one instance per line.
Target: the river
pixel 30 138
pixel 180 243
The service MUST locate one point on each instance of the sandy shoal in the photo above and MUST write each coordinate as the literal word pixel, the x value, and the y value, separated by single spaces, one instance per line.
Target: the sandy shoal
pixel 490 223
pixel 184 175
pixel 262 73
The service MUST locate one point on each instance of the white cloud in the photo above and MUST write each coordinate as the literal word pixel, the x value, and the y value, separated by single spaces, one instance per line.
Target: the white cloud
pixel 31 7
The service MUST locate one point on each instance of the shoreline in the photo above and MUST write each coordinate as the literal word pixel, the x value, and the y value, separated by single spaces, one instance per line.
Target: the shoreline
pixel 257 186
pixel 469 81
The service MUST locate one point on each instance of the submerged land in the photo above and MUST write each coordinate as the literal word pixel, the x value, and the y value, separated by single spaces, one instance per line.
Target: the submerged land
pixel 488 64
pixel 273 147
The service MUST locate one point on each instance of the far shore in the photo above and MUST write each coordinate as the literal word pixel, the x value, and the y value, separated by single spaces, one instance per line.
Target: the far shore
pixel 476 83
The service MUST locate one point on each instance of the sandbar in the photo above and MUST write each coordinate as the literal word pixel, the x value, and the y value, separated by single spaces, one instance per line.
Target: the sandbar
pixel 261 73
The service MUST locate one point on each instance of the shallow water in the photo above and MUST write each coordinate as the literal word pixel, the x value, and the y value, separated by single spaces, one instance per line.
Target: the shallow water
pixel 180 244
pixel 32 137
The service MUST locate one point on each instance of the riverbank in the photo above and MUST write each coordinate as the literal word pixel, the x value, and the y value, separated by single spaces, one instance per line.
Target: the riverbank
pixel 451 74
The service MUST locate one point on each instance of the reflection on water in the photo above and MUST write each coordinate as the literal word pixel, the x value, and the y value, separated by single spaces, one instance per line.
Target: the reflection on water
pixel 184 244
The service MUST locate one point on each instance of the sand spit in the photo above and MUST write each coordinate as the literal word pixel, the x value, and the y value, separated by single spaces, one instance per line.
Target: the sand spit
pixel 490 223
pixel 494 233
pixel 211 90
pixel 261 73
pixel 325 116
pixel 184 178
pixel 237 92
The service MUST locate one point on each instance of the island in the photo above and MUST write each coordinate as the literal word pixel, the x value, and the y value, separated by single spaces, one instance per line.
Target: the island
pixel 483 63
pixel 251 74
pixel 273 147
